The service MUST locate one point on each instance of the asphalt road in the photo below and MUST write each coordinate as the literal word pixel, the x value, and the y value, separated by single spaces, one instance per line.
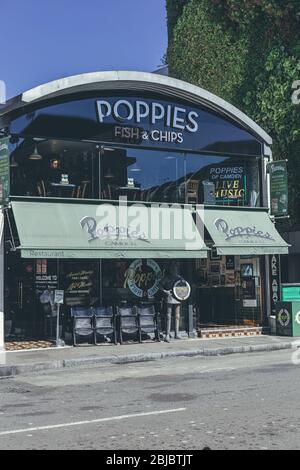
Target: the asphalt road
pixel 248 401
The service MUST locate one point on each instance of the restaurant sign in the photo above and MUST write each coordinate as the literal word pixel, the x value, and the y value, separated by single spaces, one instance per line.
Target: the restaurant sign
pixel 275 279
pixel 241 231
pixel 143 278
pixel 230 184
pixel 142 119
pixel 4 171
pixel 279 188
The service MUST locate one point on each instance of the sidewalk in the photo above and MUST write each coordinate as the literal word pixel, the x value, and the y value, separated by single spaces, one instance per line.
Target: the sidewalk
pixel 22 362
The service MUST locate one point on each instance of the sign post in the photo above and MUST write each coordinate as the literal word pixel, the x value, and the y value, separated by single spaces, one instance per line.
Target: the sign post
pixel 58 300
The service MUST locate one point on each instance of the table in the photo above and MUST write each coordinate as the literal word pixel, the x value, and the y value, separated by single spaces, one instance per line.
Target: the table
pixel 132 192
pixel 63 189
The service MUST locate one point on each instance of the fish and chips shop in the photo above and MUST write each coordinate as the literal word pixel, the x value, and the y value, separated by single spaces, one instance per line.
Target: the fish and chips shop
pixel 112 181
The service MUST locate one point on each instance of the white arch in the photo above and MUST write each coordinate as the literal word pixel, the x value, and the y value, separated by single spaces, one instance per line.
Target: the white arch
pixel 142 81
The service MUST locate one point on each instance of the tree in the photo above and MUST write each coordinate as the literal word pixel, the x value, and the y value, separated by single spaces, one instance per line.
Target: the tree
pixel 247 52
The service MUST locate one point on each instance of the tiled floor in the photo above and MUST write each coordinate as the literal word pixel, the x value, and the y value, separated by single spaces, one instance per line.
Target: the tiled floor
pixel 24 345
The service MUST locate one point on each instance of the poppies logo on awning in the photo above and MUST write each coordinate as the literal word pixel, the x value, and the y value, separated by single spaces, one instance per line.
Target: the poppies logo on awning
pixel 235 232
pixel 110 232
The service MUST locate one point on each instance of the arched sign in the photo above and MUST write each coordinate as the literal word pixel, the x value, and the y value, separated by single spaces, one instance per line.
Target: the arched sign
pixel 143 278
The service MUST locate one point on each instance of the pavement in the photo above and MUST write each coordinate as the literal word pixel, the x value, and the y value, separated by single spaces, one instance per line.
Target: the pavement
pixel 25 362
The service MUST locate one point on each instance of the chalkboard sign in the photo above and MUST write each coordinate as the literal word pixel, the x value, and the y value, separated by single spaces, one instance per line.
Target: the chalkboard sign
pixel 4 171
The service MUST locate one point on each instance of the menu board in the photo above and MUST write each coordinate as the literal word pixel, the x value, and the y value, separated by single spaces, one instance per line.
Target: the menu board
pixel 80 288
pixel 4 171
pixel 279 188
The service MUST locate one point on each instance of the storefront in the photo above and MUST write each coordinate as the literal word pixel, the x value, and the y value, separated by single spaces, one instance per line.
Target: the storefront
pixel 115 176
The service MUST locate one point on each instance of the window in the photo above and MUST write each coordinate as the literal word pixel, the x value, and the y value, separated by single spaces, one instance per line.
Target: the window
pixel 72 169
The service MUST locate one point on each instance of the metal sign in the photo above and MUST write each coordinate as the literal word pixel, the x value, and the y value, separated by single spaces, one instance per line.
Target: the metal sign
pixel 59 297
pixel 278 188
pixel 4 171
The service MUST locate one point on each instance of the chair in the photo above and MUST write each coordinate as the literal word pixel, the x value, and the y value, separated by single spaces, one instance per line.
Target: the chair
pixel 104 324
pixel 147 321
pixel 41 189
pixel 82 325
pixel 128 322
pixel 81 190
pixel 192 191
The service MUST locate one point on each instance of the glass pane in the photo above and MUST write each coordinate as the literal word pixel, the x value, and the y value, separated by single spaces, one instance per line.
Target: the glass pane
pixel 54 168
pixel 227 181
pixel 143 175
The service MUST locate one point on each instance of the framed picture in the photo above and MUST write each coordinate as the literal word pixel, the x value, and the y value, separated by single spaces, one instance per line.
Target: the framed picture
pixel 214 255
pixel 214 268
pixel 230 279
pixel 203 263
pixel 214 280
pixel 247 270
pixel 230 263
pixel 223 280
pixel 203 277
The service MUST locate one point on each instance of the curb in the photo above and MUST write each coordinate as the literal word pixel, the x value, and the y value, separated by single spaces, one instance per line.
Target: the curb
pixel 19 369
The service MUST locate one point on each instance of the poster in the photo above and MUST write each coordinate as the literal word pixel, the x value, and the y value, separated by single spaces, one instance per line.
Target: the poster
pixel 230 184
pixel 230 263
pixel 80 288
pixel 46 278
pixel 4 171
pixel 278 188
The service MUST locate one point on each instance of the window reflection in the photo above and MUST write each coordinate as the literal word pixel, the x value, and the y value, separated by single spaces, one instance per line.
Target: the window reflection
pixel 69 169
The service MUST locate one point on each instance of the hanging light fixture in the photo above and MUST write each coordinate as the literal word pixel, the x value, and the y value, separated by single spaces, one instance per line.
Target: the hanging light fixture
pixel 35 155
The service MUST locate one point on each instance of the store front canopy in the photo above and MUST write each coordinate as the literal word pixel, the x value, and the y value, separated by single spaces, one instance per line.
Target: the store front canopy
pixel 243 232
pixel 70 230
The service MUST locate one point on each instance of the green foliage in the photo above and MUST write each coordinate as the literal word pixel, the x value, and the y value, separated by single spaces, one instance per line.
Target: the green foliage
pixel 174 9
pixel 247 52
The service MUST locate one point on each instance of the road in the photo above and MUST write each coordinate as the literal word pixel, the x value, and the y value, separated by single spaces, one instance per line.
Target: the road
pixel 247 401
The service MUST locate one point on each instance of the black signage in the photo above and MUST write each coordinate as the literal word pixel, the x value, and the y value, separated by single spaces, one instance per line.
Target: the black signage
pixel 140 121
pixel 279 188
pixel 275 281
pixel 229 184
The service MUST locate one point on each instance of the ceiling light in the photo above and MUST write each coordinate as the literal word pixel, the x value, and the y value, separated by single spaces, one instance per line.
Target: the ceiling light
pixel 35 155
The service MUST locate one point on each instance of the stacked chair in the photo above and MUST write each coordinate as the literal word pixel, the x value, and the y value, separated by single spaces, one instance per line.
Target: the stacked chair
pixel 106 324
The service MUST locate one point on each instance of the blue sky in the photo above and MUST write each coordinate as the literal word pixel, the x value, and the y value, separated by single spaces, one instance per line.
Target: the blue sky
pixel 43 40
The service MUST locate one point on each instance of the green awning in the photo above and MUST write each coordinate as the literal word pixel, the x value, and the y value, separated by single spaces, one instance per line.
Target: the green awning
pixel 76 230
pixel 243 232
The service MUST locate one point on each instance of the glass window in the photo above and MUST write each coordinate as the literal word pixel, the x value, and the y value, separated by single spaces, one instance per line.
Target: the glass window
pixel 72 169
pixel 228 181
pixel 143 175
